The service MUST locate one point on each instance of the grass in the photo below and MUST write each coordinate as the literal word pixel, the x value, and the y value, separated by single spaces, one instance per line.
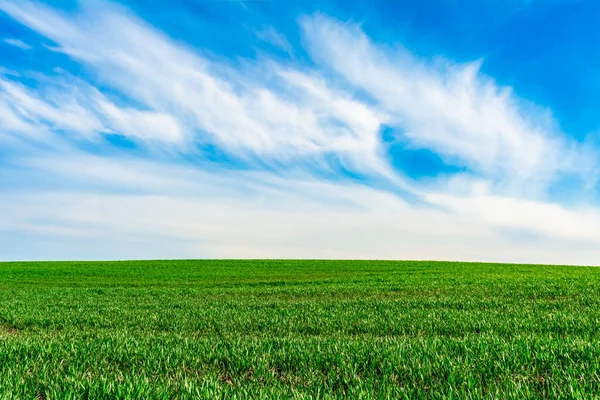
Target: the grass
pixel 298 329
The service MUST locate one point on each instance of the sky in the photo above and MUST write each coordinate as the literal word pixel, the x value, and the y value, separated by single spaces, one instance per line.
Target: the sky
pixel 432 130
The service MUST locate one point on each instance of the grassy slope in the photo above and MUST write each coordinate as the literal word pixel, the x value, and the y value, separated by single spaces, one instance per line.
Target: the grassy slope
pixel 303 329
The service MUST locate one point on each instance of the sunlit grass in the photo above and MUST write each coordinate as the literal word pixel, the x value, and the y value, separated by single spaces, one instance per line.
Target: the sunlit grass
pixel 298 329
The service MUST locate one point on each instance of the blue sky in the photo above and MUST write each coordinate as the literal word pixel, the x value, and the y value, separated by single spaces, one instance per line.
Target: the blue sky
pixel 295 129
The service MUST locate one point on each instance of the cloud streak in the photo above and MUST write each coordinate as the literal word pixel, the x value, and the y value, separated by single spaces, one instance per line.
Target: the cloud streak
pixel 450 108
pixel 225 108
pixel 17 43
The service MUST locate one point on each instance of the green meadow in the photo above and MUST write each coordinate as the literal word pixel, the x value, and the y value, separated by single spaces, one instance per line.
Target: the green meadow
pixel 298 329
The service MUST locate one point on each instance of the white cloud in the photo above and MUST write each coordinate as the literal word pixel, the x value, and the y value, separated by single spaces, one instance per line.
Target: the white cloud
pixel 270 35
pixel 17 43
pixel 25 114
pixel 537 217
pixel 214 103
pixel 70 108
pixel 450 108
pixel 142 124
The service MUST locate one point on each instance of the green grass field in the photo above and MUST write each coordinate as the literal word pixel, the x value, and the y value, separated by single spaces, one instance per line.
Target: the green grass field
pixel 298 329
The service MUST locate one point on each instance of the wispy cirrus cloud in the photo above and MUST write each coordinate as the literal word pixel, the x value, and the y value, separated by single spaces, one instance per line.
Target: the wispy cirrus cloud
pixel 214 103
pixel 27 115
pixel 450 108
pixel 291 125
pixel 17 43
pixel 271 36
pixel 71 110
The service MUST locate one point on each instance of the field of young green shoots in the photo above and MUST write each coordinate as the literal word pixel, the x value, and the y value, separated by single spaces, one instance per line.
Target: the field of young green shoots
pixel 298 329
